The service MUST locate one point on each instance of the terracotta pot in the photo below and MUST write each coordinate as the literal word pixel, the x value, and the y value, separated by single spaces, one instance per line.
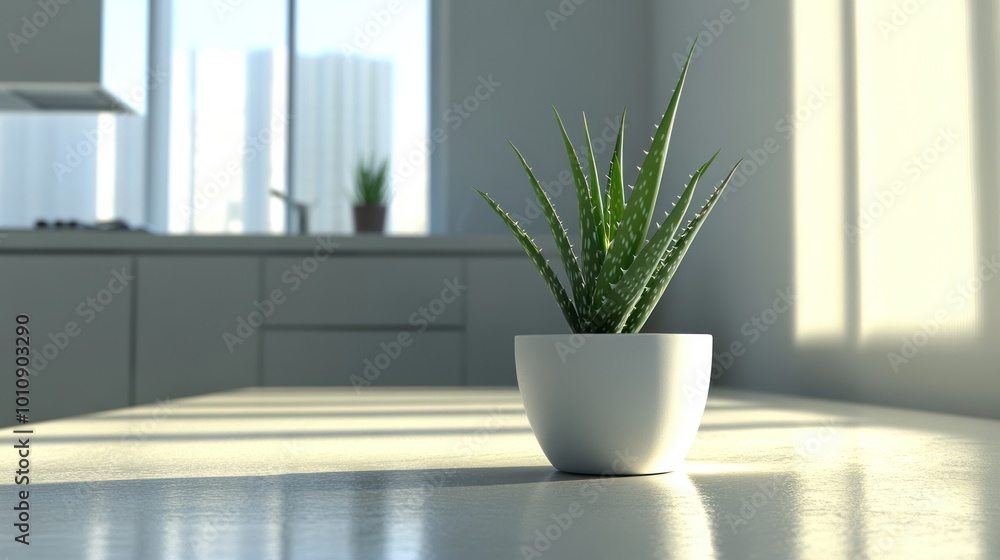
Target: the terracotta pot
pixel 369 218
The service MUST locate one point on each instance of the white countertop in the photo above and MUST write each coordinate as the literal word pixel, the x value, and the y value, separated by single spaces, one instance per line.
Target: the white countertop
pixel 456 473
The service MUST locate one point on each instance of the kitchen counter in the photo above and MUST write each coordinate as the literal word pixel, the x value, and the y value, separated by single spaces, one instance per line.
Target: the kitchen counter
pixel 83 241
pixel 456 473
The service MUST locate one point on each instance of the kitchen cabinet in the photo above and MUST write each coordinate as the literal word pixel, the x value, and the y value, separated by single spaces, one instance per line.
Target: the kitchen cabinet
pixel 195 322
pixel 366 291
pixel 362 359
pixel 80 333
pixel 507 297
pixel 201 314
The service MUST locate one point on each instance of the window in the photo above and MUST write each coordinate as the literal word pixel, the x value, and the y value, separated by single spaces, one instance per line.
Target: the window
pixel 226 107
pixel 218 125
pixel 70 167
pixel 362 76
pixel 360 86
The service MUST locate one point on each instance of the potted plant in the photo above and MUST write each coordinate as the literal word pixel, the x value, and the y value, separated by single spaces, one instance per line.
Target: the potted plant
pixel 371 194
pixel 606 399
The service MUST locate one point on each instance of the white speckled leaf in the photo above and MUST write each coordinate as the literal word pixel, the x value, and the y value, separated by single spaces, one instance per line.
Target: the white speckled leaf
pixel 535 254
pixel 639 209
pixel 590 232
pixel 594 185
pixel 615 191
pixel 558 232
pixel 619 304
pixel 665 272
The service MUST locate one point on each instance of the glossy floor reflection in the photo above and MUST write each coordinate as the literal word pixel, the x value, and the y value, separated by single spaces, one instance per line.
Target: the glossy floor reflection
pixel 457 474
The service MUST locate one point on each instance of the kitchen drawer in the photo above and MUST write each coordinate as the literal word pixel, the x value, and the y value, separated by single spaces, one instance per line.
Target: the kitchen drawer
pixel 308 357
pixel 365 291
pixel 188 302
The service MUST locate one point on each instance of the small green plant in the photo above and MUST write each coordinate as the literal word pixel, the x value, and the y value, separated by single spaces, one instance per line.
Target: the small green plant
pixel 623 275
pixel 370 187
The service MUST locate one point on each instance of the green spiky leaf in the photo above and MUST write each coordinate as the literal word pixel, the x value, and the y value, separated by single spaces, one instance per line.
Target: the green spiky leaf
pixel 665 272
pixel 639 209
pixel 617 308
pixel 558 231
pixel 615 190
pixel 594 185
pixel 620 277
pixel 371 186
pixel 535 254
pixel 591 233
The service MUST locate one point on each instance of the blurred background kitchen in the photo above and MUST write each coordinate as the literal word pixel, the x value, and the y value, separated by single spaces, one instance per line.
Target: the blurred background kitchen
pixel 220 142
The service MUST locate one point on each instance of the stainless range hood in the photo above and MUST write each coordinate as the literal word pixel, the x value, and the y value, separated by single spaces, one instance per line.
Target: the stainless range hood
pixel 74 55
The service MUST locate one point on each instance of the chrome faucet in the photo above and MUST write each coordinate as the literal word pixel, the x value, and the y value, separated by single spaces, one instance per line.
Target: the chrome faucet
pixel 300 208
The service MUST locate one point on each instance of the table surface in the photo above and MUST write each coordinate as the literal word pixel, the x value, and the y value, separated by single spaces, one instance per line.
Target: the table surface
pixel 456 473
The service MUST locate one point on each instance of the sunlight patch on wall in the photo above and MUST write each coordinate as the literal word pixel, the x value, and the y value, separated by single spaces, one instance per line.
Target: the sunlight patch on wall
pixel 820 310
pixel 916 222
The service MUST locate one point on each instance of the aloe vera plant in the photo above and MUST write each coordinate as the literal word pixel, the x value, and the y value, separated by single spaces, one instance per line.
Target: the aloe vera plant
pixel 621 275
pixel 371 187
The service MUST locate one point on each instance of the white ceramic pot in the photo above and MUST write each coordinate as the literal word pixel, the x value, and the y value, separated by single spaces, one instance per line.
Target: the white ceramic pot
pixel 614 403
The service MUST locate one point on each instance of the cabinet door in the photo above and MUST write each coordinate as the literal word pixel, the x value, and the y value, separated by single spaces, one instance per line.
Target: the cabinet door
pixel 367 291
pixel 507 297
pixel 79 309
pixel 185 308
pixel 377 358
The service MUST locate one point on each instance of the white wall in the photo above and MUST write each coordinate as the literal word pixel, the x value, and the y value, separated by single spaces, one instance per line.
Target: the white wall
pixel 739 94
pixel 595 58
pixel 739 90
